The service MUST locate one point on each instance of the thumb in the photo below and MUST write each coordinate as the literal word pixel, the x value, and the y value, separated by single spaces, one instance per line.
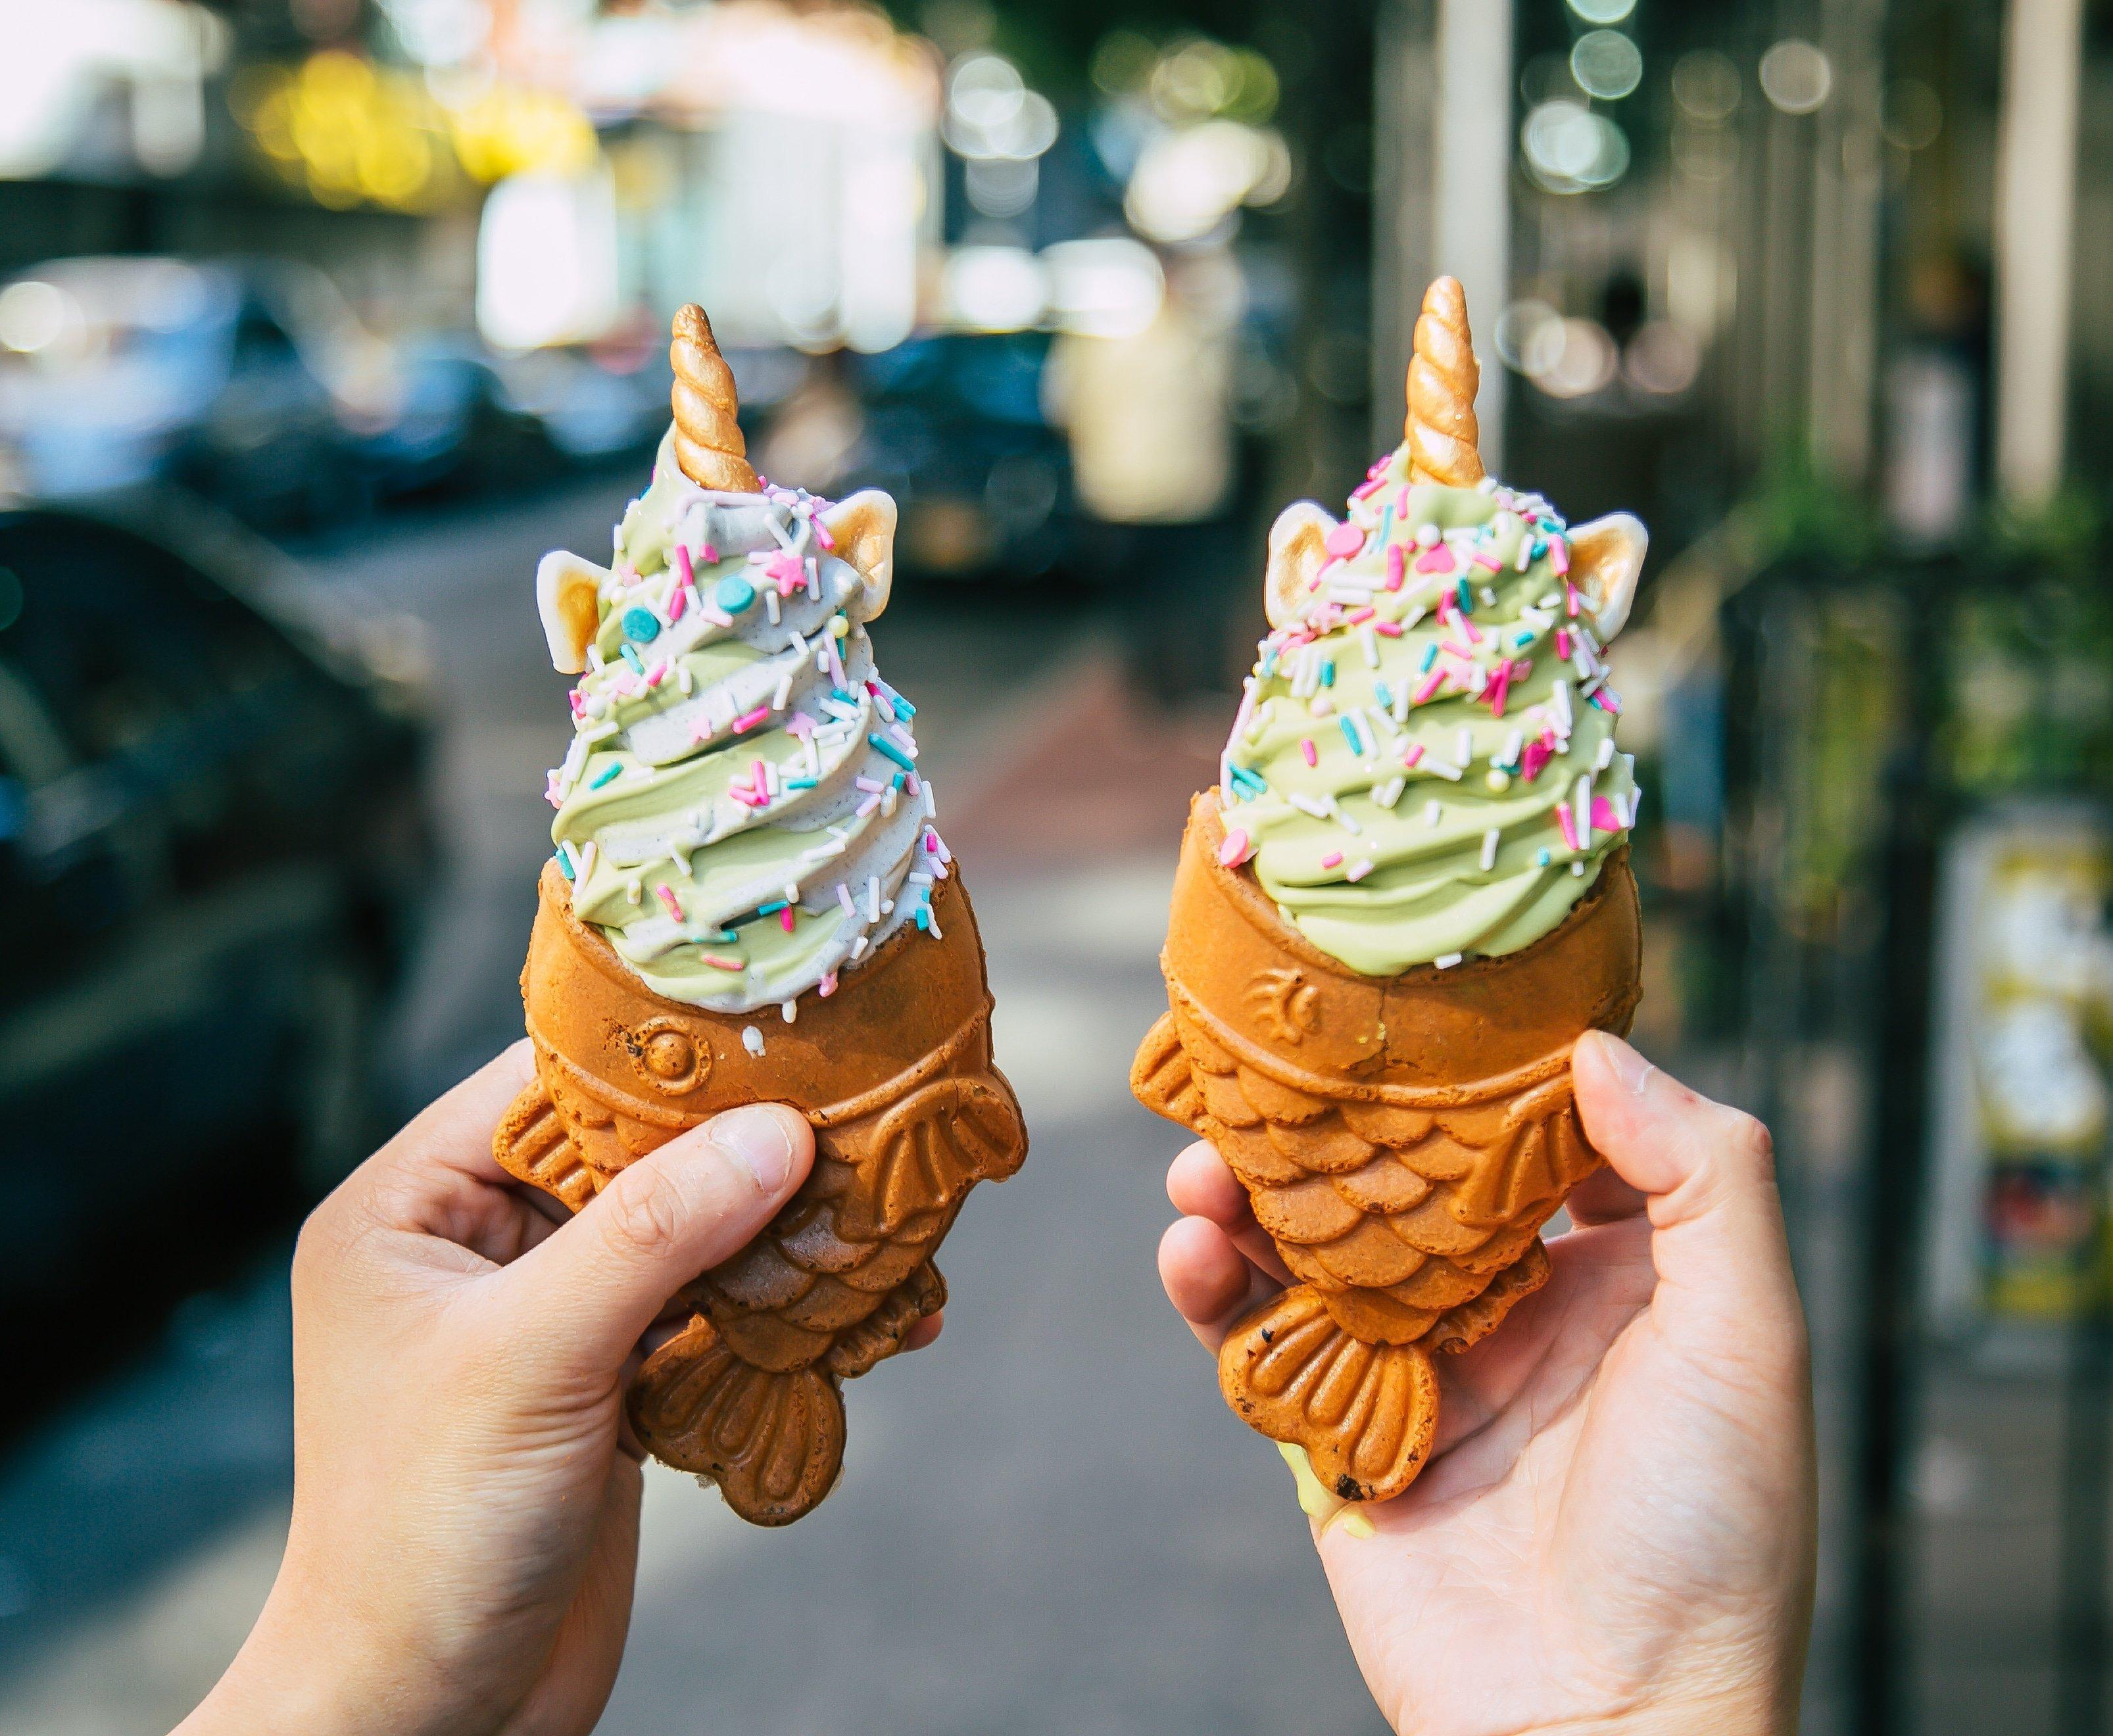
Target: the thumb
pixel 600 1280
pixel 1707 1174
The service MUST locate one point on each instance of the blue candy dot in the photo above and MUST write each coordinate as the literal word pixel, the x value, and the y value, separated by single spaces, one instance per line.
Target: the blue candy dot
pixel 733 595
pixel 640 627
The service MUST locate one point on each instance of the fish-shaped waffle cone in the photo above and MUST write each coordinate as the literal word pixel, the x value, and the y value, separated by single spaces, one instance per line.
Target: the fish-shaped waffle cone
pixel 1401 1139
pixel 893 1071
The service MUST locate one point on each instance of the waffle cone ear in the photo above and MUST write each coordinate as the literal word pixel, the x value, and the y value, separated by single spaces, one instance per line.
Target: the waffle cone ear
pixel 1443 379
pixel 708 439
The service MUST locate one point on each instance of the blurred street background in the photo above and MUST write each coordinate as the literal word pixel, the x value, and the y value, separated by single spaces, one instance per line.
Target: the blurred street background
pixel 321 321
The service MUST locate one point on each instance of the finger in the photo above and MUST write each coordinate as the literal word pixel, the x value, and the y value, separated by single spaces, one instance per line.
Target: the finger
pixel 1210 1282
pixel 1708 1173
pixel 600 1280
pixel 1603 1197
pixel 1201 1184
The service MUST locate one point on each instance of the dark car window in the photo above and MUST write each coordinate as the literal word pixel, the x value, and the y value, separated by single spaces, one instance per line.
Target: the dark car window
pixel 119 638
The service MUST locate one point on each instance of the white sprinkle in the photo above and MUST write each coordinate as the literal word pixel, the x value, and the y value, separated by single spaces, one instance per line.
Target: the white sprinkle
pixel 1578 869
pixel 1515 745
pixel 1465 752
pixel 844 898
pixel 1386 795
pixel 858 947
pixel 931 806
pixel 873 898
pixel 1606 757
pixel 1370 641
pixel 1306 803
pixel 1582 810
pixel 1426 536
pixel 587 860
pixel 1490 849
pixel 788 1010
pixel 1431 812
pixel 1489 598
pixel 770 608
pixel 1439 769
pixel 632 890
pixel 682 679
pixel 751 1039
pixel 784 691
pixel 1446 961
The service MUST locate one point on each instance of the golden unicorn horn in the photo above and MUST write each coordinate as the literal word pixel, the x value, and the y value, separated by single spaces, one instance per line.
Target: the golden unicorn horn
pixel 708 442
pixel 1443 378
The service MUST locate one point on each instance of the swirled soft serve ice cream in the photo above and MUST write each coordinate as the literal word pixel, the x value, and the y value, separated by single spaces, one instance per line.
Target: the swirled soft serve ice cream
pixel 1423 766
pixel 740 811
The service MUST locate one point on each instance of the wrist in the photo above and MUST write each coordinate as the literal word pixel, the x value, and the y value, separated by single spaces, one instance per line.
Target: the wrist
pixel 1721 1716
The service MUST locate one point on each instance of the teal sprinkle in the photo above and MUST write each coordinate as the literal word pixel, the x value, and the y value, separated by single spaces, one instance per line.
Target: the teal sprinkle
pixel 899 777
pixel 1328 673
pixel 1541 548
pixel 880 745
pixel 1466 596
pixel 1430 657
pixel 724 938
pixel 1269 663
pixel 642 626
pixel 606 774
pixel 1542 857
pixel 772 908
pixel 733 594
pixel 630 656
pixel 1350 735
pixel 1386 521
pixel 565 864
pixel 925 917
pixel 799 783
pixel 1384 694
pixel 1522 640
pixel 902 706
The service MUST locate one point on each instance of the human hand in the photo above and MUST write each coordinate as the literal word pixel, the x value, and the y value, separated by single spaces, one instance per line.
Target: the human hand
pixel 1616 1528
pixel 465 1526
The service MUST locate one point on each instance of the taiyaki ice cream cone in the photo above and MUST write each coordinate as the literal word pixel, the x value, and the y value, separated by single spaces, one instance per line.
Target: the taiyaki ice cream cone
pixel 1406 900
pixel 749 901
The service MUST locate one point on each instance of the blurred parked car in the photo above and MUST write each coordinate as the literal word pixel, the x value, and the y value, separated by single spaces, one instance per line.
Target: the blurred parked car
pixel 955 429
pixel 213 845
pixel 252 382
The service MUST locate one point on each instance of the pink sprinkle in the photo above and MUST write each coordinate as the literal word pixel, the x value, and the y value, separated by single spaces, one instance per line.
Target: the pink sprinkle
pixel 1608 701
pixel 800 724
pixel 1306 748
pixel 747 797
pixel 1415 754
pixel 1334 859
pixel 719 963
pixel 1360 617
pixel 1234 851
pixel 1401 501
pixel 828 542
pixel 1387 629
pixel 1563 819
pixel 868 805
pixel 760 779
pixel 1343 541
pixel 828 986
pixel 717 617
pixel 578 701
pixel 1499 687
pixel 1537 755
pixel 678 603
pixel 1370 486
pixel 1456 648
pixel 1438 557
pixel 1570 599
pixel 1603 815
pixel 668 898
pixel 1562 642
pixel 1483 557
pixel 657 674
pixel 1559 557
pixel 711 554
pixel 749 720
pixel 1474 634
pixel 1397 565
pixel 1432 682
pixel 785 918
pixel 932 842
pixel 682 565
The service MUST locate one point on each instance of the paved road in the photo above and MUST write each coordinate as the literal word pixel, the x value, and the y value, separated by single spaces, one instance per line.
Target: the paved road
pixel 1048 1522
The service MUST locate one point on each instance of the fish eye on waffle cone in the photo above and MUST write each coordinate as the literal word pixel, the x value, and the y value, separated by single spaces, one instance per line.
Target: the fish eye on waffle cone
pixel 1407 898
pixel 749 901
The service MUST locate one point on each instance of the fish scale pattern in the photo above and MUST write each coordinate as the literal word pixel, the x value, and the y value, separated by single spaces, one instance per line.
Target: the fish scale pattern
pixel 1398 1215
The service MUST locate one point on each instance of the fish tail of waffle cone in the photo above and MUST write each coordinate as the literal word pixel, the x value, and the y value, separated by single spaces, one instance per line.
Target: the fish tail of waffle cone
pixel 893 1071
pixel 1444 377
pixel 1401 1140
pixel 708 439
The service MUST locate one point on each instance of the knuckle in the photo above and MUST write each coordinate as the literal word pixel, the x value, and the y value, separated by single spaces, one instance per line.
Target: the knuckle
pixel 1747 1136
pixel 643 1213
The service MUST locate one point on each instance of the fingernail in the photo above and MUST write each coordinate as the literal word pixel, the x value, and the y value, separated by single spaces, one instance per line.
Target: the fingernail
pixel 1631 1068
pixel 754 1138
